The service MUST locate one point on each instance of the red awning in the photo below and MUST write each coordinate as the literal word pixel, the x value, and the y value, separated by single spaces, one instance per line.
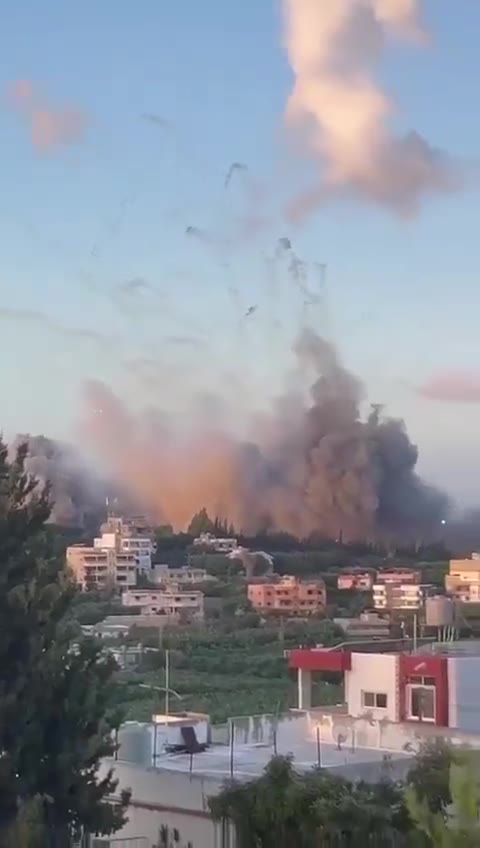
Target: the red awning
pixel 320 659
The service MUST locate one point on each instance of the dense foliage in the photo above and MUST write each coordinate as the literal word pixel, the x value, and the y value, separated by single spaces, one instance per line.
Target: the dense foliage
pixel 56 718
pixel 437 807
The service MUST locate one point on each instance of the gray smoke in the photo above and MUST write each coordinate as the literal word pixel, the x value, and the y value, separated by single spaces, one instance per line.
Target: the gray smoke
pixel 315 465
pixel 78 495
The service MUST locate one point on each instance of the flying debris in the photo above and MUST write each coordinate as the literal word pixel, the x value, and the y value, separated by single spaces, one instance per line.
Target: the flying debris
pixel 235 166
pixel 250 311
pixel 196 232
pixel 283 244
pixel 152 118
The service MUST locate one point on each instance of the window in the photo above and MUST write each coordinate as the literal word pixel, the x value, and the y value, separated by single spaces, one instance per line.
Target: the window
pixel 421 703
pixel 374 700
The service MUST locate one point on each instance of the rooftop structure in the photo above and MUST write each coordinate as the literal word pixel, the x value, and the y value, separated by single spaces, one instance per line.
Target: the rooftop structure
pixel 367 624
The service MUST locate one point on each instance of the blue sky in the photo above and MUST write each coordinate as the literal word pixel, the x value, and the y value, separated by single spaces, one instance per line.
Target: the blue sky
pixel 403 297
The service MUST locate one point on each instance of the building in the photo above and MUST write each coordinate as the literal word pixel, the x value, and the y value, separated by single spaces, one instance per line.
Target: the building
pixel 401 596
pixel 168 602
pixel 183 576
pixel 288 595
pixel 367 625
pixel 101 568
pixel 116 557
pixel 463 579
pixel 212 543
pixel 128 536
pixel 357 579
pixel 398 575
pixel 437 685
pixel 171 790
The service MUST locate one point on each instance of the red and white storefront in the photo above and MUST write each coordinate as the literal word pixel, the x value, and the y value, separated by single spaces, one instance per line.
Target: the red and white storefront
pixel 436 689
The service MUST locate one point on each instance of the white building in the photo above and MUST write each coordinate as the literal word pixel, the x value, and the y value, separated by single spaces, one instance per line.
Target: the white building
pixel 167 602
pixel 127 536
pixel 463 579
pixel 184 576
pixel 401 596
pixel 220 546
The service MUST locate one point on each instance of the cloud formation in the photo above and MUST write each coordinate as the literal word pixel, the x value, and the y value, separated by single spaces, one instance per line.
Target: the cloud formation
pixel 50 125
pixel 341 112
pixel 452 387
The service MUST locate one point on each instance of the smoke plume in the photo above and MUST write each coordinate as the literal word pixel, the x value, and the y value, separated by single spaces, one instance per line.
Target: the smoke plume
pixel 77 494
pixel 452 387
pixel 341 112
pixel 51 125
pixel 314 465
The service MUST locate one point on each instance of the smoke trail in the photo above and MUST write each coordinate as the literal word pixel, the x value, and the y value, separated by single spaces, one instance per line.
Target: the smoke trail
pixel 314 465
pixel 342 114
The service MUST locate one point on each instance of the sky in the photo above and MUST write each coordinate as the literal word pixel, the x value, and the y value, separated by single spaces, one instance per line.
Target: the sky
pixel 118 125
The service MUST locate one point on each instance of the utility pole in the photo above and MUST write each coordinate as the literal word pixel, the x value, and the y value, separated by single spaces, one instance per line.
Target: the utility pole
pixel 167 682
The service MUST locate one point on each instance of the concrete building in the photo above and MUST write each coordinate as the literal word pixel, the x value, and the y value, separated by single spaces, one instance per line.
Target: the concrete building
pixel 367 625
pixel 183 576
pixel 99 568
pixel 357 579
pixel 463 579
pixel 169 602
pixel 438 684
pixel 212 543
pixel 128 536
pixel 289 595
pixel 401 596
pixel 172 789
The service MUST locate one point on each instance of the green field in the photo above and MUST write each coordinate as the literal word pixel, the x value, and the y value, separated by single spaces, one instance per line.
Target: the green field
pixel 224 674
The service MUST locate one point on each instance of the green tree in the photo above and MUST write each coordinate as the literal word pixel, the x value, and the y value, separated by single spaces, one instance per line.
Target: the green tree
pixel 56 718
pixel 283 808
pixel 429 776
pixel 201 523
pixel 458 825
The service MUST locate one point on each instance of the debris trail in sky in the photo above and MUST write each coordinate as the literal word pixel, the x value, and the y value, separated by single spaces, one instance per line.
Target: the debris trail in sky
pixel 234 168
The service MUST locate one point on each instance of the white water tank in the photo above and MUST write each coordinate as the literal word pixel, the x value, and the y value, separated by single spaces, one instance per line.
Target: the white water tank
pixel 439 611
pixel 135 743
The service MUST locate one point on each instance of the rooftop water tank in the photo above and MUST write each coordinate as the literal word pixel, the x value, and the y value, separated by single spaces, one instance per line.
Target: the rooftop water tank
pixel 439 611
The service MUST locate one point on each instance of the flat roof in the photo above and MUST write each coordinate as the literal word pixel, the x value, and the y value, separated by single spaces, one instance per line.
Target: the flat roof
pixel 249 761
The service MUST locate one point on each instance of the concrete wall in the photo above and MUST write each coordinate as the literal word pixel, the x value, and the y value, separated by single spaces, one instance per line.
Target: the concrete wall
pixel 464 693
pixel 372 673
pixel 290 730
pixel 161 797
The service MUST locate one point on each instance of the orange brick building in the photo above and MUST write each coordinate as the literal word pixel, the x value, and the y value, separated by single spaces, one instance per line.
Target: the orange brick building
pixel 289 595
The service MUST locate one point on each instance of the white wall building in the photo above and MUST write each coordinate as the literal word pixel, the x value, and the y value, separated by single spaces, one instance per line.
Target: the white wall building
pixel 184 576
pixel 166 602
pixel 401 596
pixel 220 546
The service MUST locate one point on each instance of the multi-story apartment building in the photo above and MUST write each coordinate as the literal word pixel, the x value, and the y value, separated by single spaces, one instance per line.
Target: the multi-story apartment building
pixel 94 567
pixel 289 595
pixel 129 536
pixel 123 550
pixel 463 579
pixel 356 579
pixel 169 602
pixel 401 596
